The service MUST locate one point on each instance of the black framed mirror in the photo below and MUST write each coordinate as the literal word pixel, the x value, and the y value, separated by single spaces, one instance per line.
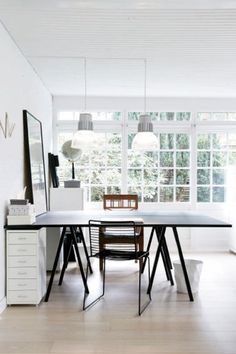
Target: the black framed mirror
pixel 35 164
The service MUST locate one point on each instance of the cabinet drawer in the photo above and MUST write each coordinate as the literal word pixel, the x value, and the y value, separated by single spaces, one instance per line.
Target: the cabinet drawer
pixel 24 273
pixel 21 250
pixel 22 297
pixel 22 284
pixel 22 261
pixel 21 238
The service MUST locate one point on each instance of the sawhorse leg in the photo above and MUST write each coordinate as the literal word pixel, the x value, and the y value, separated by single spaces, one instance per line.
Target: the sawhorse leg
pixel 190 294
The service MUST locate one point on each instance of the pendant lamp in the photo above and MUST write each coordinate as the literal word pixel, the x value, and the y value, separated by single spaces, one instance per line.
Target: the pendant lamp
pixel 84 137
pixel 145 139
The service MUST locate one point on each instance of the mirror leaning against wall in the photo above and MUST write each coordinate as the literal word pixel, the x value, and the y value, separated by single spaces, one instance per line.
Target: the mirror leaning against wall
pixel 35 165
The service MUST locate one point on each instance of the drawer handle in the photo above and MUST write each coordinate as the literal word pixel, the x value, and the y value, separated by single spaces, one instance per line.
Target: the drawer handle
pixel 22 296
pixel 21 273
pixel 22 262
pixel 22 284
pixel 22 238
pixel 22 250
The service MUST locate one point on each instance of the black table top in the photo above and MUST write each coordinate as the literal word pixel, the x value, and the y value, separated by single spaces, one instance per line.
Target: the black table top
pixel 150 218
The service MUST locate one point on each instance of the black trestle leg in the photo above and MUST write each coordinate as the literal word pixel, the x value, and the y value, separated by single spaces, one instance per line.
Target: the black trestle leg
pixel 183 264
pixel 55 264
pixel 165 258
pixel 65 264
pixel 158 252
pixel 73 235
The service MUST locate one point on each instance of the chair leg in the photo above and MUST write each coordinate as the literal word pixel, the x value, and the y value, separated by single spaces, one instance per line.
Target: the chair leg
pixel 85 307
pixel 85 249
pixel 148 247
pixel 141 310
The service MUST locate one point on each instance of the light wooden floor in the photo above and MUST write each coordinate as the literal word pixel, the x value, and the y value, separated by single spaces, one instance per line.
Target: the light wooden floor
pixel 171 324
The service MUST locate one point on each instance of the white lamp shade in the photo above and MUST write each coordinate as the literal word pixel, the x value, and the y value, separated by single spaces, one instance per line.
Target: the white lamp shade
pixel 84 138
pixel 145 141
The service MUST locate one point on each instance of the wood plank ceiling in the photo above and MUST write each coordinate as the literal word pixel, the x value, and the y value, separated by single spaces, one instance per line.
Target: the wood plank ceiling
pixel 190 47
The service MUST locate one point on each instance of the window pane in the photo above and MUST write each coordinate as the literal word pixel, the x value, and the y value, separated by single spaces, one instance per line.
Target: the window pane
pixel 98 158
pixel 203 194
pixel 84 159
pixel 166 194
pixel 83 175
pixel 134 177
pixel 183 116
pixel 134 159
pixel 167 116
pixel 218 176
pixel 97 193
pixel 150 194
pixel 108 116
pixel 203 141
pixel 232 141
pixel 150 159
pixel 204 116
pixel 232 158
pixel 182 194
pixel 203 159
pixel 182 141
pixel 219 116
pixel 182 176
pixel 232 116
pixel 114 141
pixel 98 176
pixel 154 116
pixel 166 159
pixel 219 141
pixel 134 116
pixel 136 190
pixel 166 141
pixel 113 158
pixel 203 176
pixel 130 139
pixel 182 159
pixel 166 176
pixel 218 194
pixel 219 159
pixel 113 190
pixel 150 176
pixel 114 176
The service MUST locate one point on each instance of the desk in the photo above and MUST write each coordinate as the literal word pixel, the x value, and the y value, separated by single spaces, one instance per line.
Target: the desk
pixel 158 220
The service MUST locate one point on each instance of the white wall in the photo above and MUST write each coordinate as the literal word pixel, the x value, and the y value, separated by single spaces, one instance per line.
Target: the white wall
pixel 20 88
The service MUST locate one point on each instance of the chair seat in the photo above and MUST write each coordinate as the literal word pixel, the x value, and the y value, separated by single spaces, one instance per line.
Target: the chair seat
pixel 121 255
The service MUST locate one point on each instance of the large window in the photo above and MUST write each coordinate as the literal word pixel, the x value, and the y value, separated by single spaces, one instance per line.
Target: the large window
pixel 190 164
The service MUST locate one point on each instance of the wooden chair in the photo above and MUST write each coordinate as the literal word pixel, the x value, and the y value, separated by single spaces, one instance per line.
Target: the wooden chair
pixel 122 201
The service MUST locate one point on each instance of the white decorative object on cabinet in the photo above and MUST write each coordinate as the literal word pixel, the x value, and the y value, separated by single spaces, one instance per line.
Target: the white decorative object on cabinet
pixel 26 266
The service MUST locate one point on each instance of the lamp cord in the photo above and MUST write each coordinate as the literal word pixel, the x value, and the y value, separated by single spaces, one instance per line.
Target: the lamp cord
pixel 85 84
pixel 145 84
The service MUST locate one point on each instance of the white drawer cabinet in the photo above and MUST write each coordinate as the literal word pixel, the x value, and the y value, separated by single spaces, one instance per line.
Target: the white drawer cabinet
pixel 26 266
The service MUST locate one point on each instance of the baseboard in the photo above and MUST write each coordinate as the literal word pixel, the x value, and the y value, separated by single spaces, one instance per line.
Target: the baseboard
pixel 3 304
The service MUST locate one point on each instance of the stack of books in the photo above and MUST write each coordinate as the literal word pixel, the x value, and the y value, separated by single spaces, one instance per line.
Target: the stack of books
pixel 20 212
